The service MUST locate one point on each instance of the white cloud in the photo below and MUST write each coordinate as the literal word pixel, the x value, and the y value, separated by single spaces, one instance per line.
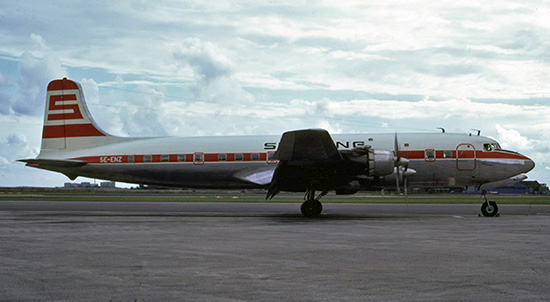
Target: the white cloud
pixel 34 75
pixel 4 81
pixel 14 146
pixel 262 67
pixel 206 59
pixel 40 42
pixel 512 139
pixel 216 82
pixel 129 110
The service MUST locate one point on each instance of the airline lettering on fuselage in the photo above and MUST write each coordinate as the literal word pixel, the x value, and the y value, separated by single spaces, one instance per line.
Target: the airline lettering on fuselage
pixel 110 159
pixel 339 145
pixel 346 145
pixel 270 146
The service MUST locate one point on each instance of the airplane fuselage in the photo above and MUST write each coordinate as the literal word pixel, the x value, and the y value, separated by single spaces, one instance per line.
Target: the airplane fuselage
pixel 439 159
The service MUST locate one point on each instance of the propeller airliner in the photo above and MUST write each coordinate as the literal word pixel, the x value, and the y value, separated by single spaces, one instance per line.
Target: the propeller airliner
pixel 307 161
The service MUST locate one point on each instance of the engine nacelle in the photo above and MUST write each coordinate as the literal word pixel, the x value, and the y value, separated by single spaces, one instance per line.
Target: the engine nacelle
pixel 349 188
pixel 377 162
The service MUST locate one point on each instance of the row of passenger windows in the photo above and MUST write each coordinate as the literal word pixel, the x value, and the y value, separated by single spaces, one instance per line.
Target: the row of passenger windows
pixel 430 154
pixel 199 157
pixel 223 157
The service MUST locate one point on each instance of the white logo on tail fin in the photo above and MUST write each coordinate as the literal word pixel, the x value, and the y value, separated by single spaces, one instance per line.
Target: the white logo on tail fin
pixel 66 112
pixel 64 107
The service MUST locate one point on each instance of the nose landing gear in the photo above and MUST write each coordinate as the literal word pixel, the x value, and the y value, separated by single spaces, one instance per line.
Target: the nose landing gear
pixel 489 208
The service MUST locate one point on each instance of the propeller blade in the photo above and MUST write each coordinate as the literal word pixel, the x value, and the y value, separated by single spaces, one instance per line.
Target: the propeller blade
pixel 406 187
pixel 397 176
pixel 396 148
pixel 397 164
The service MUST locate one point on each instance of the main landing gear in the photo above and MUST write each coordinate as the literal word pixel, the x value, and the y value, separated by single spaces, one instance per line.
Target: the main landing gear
pixel 312 207
pixel 489 208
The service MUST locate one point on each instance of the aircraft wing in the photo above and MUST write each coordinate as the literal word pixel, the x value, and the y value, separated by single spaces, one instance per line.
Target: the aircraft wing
pixel 308 159
pixel 297 150
pixel 257 176
pixel 311 147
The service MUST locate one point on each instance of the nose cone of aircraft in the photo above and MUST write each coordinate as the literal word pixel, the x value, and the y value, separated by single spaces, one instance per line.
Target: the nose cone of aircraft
pixel 528 165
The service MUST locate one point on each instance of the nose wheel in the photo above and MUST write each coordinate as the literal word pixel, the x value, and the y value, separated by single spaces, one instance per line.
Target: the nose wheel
pixel 489 208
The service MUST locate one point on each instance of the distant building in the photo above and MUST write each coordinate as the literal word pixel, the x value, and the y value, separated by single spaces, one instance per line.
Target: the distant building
pixel 88 185
pixel 107 185
pixel 524 187
pixel 82 185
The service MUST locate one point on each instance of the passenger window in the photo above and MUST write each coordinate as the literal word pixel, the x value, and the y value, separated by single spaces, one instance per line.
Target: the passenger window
pixel 271 158
pixel 222 157
pixel 255 156
pixel 147 158
pixel 165 157
pixel 181 157
pixel 447 154
pixel 198 158
pixel 430 155
pixel 130 158
pixel 239 156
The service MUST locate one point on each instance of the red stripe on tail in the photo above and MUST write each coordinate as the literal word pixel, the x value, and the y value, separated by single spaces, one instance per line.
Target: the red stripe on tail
pixel 76 130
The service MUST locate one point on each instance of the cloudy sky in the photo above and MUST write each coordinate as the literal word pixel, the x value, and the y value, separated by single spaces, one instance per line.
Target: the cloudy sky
pixel 188 68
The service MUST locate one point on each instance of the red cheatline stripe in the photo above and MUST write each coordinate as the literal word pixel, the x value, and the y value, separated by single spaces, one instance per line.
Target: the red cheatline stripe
pixel 498 155
pixel 464 154
pixel 247 157
pixel 189 158
pixel 76 130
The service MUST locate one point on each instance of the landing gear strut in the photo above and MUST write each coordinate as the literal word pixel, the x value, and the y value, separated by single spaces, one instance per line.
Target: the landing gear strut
pixel 312 207
pixel 489 208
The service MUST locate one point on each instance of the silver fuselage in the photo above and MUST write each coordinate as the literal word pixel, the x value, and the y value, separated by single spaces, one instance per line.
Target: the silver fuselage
pixel 439 159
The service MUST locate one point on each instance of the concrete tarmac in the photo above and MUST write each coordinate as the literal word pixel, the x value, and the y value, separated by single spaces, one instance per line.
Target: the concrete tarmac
pixel 140 251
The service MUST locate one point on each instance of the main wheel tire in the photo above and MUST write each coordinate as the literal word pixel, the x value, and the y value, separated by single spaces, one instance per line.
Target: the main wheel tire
pixel 311 208
pixel 489 209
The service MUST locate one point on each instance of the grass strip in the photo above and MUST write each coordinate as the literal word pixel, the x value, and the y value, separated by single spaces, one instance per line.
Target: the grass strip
pixel 197 197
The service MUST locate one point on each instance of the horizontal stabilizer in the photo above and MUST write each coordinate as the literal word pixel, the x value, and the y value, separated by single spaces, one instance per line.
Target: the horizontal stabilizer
pixel 53 163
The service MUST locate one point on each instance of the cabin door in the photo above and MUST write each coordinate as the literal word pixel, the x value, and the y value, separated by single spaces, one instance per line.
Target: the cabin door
pixel 465 157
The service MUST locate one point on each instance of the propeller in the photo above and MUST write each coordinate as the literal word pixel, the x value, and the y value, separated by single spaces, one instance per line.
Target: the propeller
pixel 401 167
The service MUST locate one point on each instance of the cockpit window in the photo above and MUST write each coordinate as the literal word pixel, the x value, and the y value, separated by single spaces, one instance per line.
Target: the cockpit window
pixel 491 146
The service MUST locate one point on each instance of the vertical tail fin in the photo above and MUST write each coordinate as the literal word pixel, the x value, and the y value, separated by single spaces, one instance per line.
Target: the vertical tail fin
pixel 67 121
